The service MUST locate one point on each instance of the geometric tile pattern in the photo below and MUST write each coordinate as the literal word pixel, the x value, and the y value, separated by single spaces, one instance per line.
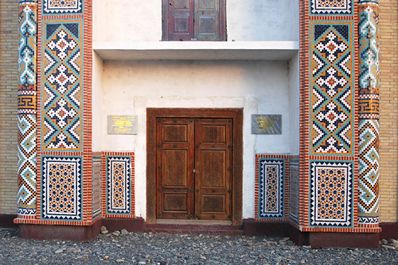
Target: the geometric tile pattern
pixel 369 83
pixel 332 89
pixel 27 101
pixel 331 194
pixel 118 184
pixel 369 168
pixel 61 188
pixel 62 95
pixel 62 6
pixel 27 151
pixel 96 199
pixel 271 177
pixel 338 7
pixel 27 125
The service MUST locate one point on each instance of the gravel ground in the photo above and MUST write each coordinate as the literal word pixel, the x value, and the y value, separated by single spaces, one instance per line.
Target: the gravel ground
pixel 146 248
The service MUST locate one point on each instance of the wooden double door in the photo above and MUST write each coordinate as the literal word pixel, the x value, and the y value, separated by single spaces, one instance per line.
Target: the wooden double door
pixel 194 168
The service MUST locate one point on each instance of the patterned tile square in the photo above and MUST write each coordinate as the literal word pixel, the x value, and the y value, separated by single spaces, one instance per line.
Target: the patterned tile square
pixel 118 185
pixel 339 7
pixel 271 177
pixel 62 6
pixel 62 188
pixel 331 197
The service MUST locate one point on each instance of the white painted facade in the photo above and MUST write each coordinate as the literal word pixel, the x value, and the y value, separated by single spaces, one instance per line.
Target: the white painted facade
pixel 134 70
pixel 249 20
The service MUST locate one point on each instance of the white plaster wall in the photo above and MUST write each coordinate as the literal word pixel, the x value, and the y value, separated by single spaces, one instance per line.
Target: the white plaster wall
pixel 249 20
pixel 294 104
pixel 128 88
pixel 262 20
pixel 97 101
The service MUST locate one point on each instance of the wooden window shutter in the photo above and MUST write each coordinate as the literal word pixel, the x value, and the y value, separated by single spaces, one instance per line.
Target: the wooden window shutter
pixel 209 20
pixel 185 20
pixel 179 24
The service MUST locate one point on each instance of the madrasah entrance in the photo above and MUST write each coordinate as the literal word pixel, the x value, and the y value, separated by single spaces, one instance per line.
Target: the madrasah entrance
pixel 255 127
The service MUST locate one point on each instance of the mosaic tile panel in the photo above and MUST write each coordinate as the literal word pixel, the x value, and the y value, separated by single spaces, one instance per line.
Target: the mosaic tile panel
pixel 27 125
pixel 271 177
pixel 62 91
pixel 27 152
pixel 294 194
pixel 118 185
pixel 61 188
pixel 97 187
pixel 62 6
pixel 338 7
pixel 331 194
pixel 332 88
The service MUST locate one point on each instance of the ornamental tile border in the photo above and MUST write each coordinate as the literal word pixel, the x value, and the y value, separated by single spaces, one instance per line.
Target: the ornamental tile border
pixel 26 117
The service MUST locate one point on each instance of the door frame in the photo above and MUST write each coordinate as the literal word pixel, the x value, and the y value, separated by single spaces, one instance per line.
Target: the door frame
pixel 236 114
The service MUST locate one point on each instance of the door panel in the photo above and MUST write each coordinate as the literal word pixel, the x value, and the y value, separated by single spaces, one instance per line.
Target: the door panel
pixel 175 133
pixel 175 156
pixel 213 134
pixel 213 162
pixel 213 203
pixel 213 149
pixel 175 168
pixel 175 202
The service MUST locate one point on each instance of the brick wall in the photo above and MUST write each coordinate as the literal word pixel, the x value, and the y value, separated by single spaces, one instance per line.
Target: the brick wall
pixel 389 110
pixel 8 104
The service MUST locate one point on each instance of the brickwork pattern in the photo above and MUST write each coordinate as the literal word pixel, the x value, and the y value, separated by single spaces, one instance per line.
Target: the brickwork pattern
pixel 389 110
pixel 8 105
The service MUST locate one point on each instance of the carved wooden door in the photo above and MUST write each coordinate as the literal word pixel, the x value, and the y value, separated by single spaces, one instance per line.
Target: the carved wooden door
pixel 194 168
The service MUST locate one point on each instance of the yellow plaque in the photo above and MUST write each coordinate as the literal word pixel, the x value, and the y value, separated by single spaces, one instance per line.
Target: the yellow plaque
pixel 122 124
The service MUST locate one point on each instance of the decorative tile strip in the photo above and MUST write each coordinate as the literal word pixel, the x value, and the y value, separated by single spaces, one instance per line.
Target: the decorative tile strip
pixel 27 126
pixel 369 165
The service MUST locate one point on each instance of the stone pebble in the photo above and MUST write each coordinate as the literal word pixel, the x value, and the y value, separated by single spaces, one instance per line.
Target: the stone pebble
pixel 164 249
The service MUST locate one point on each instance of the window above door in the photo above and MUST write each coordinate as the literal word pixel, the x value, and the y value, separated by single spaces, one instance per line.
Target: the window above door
pixel 194 20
